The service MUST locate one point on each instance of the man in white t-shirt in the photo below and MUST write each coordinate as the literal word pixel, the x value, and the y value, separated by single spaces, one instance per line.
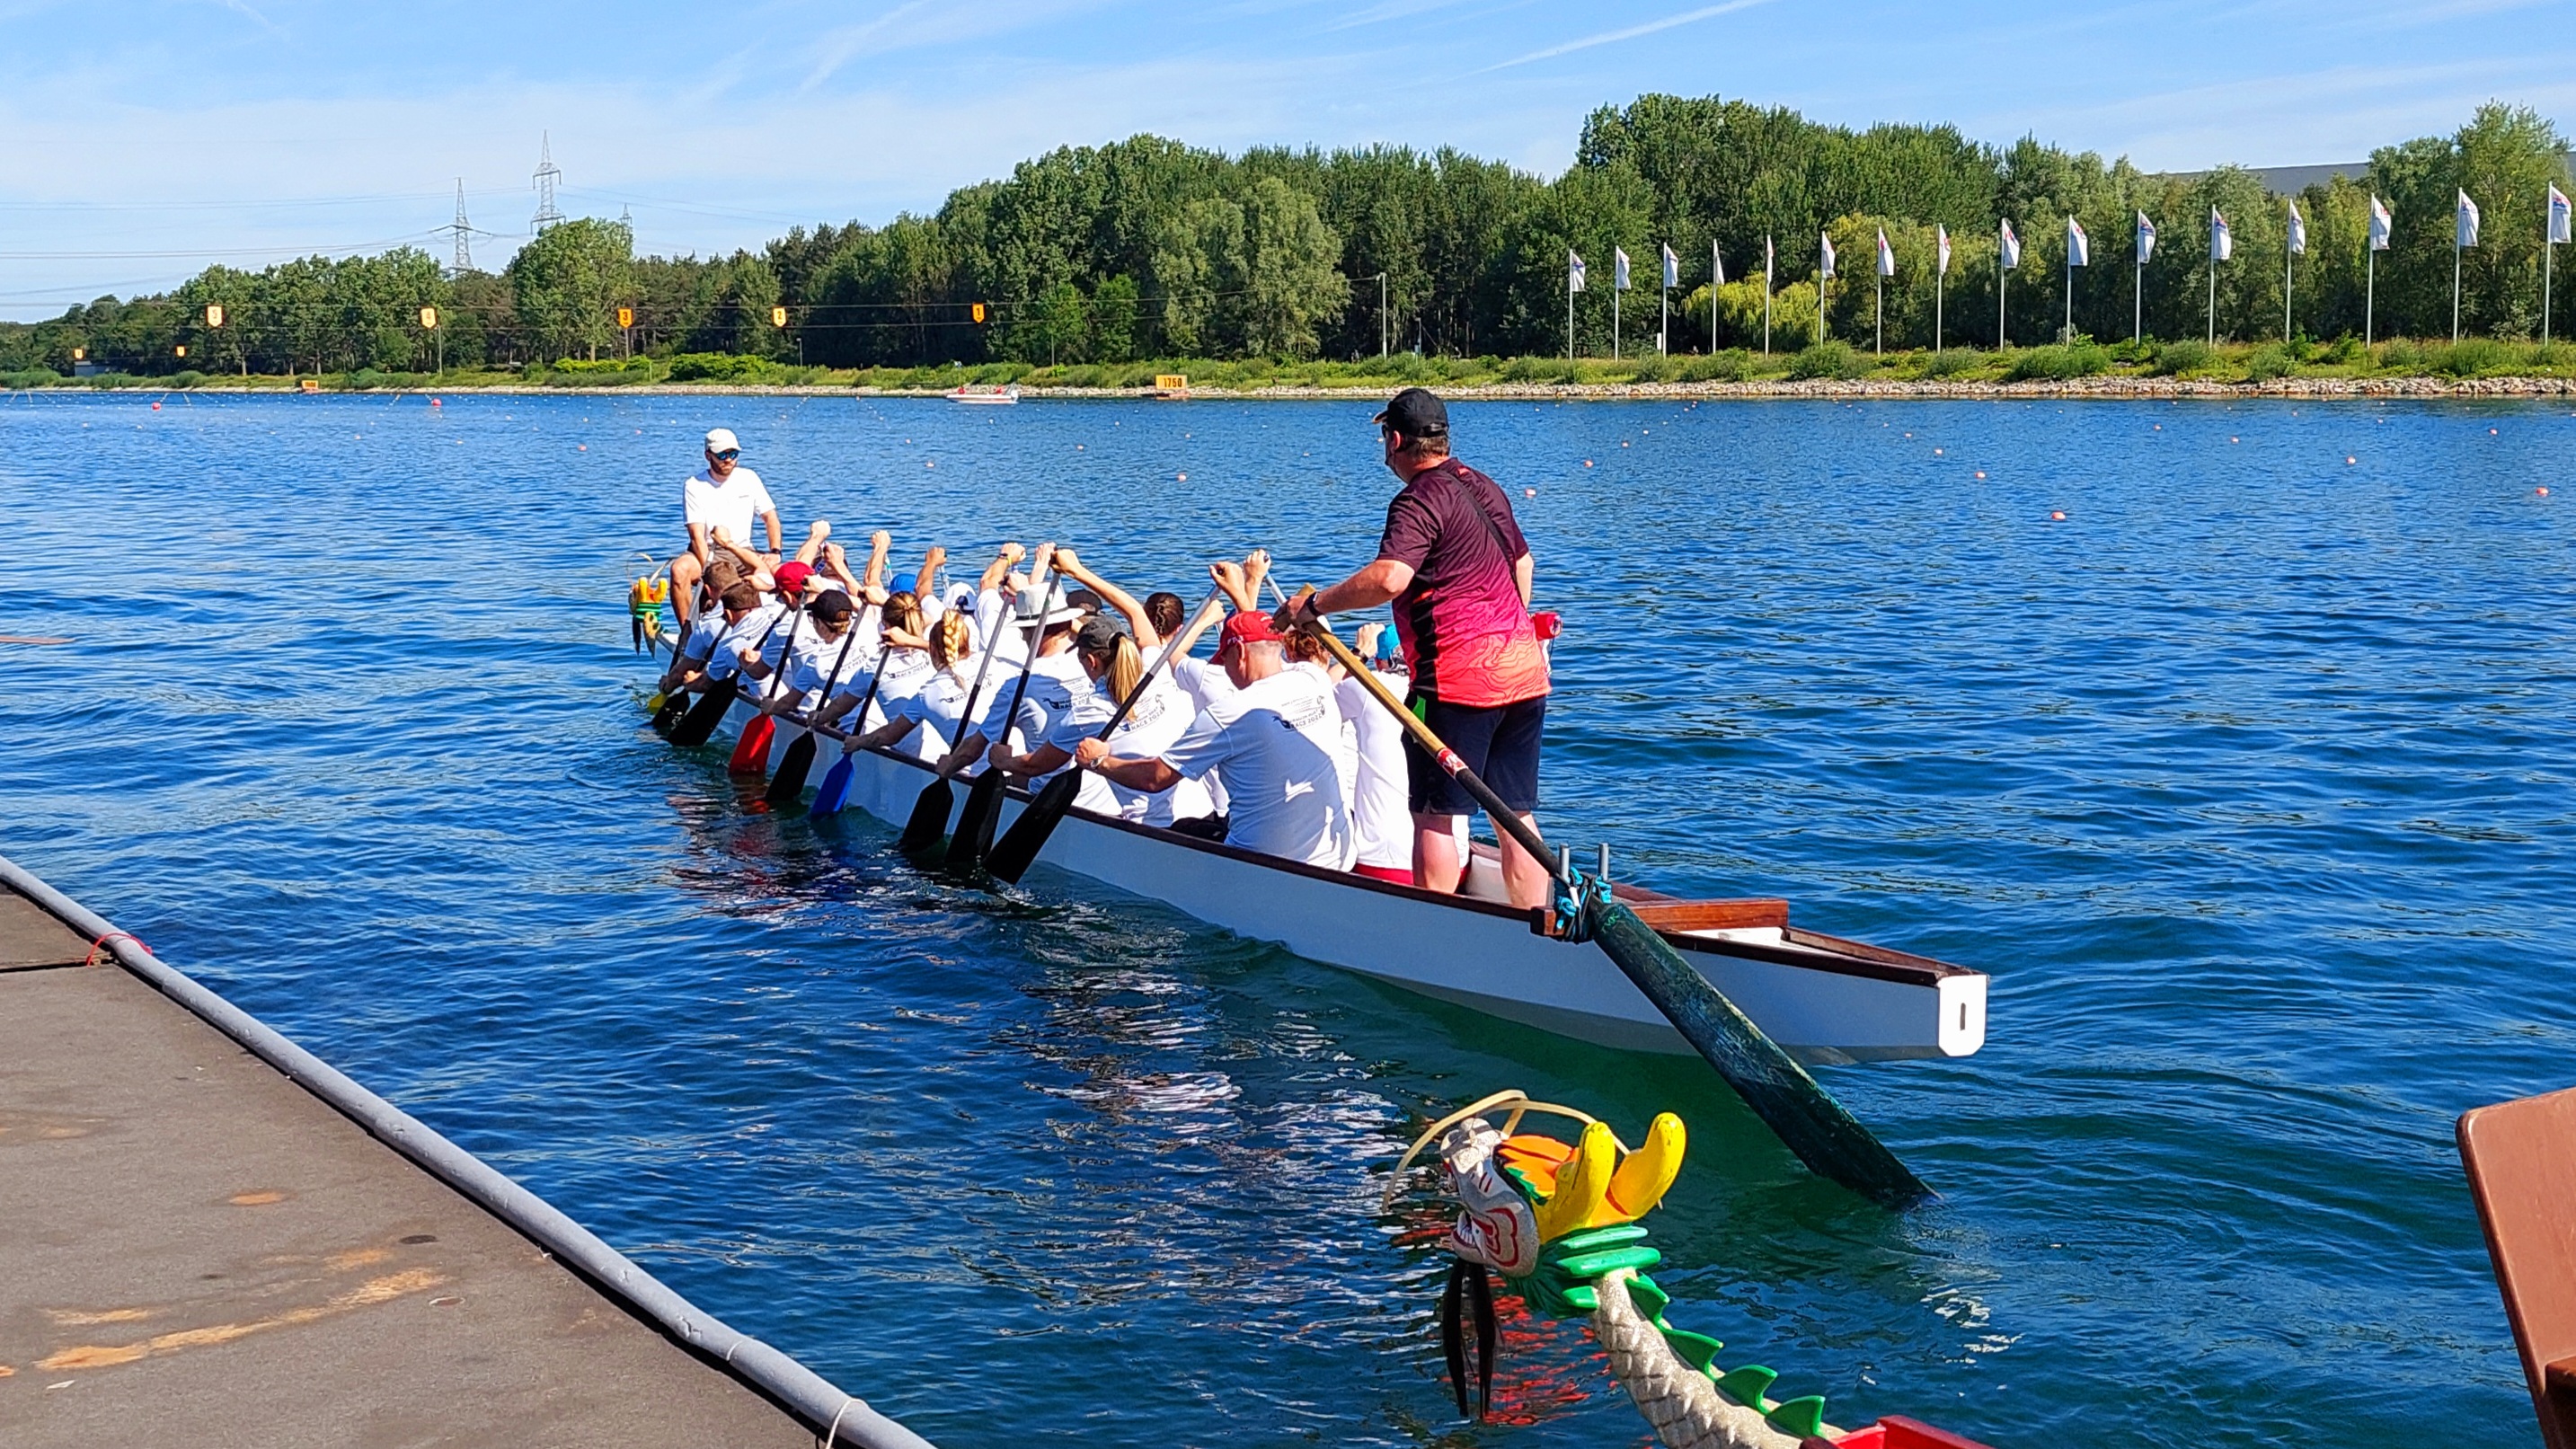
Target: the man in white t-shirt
pixel 725 496
pixel 1275 737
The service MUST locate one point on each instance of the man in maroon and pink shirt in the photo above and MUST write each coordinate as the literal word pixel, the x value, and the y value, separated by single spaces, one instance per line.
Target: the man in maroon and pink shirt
pixel 1453 562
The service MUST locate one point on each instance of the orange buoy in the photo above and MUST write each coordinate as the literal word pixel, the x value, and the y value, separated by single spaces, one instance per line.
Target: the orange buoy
pixel 1185 477
pixel 1533 493
pixel 1587 462
pixel 2350 459
pixel 1981 473
pixel 442 402
pixel 156 407
pixel 2543 490
pixel 2058 516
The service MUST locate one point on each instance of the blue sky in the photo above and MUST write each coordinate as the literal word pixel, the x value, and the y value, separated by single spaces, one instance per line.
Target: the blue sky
pixel 140 141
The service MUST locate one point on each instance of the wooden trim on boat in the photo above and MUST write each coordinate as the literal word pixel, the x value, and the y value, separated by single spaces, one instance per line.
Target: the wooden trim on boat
pixel 1744 915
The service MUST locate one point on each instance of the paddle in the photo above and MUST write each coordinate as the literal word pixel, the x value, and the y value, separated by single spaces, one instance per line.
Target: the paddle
pixel 1824 1136
pixel 751 752
pixel 930 808
pixel 835 789
pixel 1019 846
pixel 788 785
pixel 974 834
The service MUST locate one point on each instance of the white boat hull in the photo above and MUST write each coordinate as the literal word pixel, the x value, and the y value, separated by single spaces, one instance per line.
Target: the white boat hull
pixel 1825 1001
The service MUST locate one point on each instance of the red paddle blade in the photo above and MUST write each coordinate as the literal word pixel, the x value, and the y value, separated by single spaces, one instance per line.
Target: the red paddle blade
pixel 751 753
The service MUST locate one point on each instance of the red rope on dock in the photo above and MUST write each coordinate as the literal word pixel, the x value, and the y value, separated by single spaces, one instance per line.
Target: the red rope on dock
pixel 97 948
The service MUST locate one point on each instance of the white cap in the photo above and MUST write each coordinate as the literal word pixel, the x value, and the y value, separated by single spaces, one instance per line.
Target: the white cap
pixel 722 440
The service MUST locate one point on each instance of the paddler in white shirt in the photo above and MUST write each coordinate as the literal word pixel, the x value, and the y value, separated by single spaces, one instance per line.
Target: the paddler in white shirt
pixel 1275 738
pixel 723 495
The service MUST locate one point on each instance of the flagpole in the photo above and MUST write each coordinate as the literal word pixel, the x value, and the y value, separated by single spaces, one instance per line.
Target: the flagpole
pixel 2455 277
pixel 1715 271
pixel 2213 296
pixel 1569 314
pixel 2003 274
pixel 1878 313
pixel 1614 311
pixel 2370 295
pixel 1766 294
pixel 1938 276
pixel 2137 298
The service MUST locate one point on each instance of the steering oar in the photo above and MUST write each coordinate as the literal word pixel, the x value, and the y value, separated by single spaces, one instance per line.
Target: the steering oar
pixel 1824 1136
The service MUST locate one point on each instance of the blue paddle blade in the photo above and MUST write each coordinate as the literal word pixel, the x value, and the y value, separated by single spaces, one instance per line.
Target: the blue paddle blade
pixel 835 789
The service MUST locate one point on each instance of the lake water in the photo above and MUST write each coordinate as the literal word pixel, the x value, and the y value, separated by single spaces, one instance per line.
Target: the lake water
pixel 2248 781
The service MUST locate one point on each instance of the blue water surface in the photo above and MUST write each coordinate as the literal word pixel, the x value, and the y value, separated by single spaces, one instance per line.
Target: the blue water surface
pixel 2248 781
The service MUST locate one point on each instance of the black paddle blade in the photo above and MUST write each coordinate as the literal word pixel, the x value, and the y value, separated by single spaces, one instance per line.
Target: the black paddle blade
pixel 1453 1337
pixel 1825 1136
pixel 974 833
pixel 788 785
pixel 1019 846
pixel 929 818
pixel 699 724
pixel 1480 1301
pixel 674 705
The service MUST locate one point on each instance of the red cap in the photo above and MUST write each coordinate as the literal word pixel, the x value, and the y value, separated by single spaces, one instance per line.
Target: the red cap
pixel 1248 627
pixel 792 576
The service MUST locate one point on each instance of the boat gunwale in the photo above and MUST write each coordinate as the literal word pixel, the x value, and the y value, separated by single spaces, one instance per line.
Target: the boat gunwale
pixel 1809 950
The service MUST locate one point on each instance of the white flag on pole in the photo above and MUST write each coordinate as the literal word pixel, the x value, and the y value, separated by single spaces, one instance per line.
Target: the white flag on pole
pixel 1886 258
pixel 2011 247
pixel 2079 247
pixel 1716 267
pixel 1573 272
pixel 2381 222
pixel 2222 242
pixel 1941 246
pixel 2558 228
pixel 1672 267
pixel 1766 261
pixel 1829 256
pixel 2298 232
pixel 2467 234
pixel 2146 239
pixel 1619 269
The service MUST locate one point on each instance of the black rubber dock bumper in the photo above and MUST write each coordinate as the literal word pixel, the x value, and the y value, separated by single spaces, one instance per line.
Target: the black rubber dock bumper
pixel 201 1222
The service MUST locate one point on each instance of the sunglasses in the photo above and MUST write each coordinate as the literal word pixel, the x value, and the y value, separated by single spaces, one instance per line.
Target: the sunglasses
pixel 727 456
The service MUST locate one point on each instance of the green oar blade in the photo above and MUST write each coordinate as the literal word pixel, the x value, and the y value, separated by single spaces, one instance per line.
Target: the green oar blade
pixel 1010 858
pixel 1826 1137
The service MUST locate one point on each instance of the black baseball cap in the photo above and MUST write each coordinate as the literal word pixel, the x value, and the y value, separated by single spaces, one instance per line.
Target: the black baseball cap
pixel 1099 635
pixel 1416 413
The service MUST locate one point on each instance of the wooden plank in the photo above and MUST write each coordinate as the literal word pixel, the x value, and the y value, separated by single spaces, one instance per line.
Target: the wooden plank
pixel 2521 1161
pixel 1712 915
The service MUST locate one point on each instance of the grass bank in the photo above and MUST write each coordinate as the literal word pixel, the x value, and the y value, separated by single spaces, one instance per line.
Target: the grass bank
pixel 2190 366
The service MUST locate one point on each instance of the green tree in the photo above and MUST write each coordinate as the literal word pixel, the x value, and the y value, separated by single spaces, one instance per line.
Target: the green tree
pixel 567 284
pixel 1114 319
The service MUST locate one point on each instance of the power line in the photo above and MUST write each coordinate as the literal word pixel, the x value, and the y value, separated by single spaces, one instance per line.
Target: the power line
pixel 408 238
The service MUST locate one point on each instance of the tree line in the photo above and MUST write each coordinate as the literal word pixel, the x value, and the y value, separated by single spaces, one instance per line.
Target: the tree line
pixel 1148 248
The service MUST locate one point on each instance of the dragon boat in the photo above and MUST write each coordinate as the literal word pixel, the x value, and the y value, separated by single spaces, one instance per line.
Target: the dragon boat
pixel 1557 1222
pixel 1822 998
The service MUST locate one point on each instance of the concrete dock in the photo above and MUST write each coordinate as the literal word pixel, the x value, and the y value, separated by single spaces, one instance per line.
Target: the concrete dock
pixel 194 1246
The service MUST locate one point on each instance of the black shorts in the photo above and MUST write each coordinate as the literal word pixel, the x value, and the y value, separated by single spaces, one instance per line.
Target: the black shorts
pixel 1498 742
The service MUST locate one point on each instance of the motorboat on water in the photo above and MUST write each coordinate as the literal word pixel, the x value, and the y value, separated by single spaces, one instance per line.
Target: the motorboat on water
pixel 985 396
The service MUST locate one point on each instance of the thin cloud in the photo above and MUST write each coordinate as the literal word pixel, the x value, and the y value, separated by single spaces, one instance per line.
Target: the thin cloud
pixel 1613 37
